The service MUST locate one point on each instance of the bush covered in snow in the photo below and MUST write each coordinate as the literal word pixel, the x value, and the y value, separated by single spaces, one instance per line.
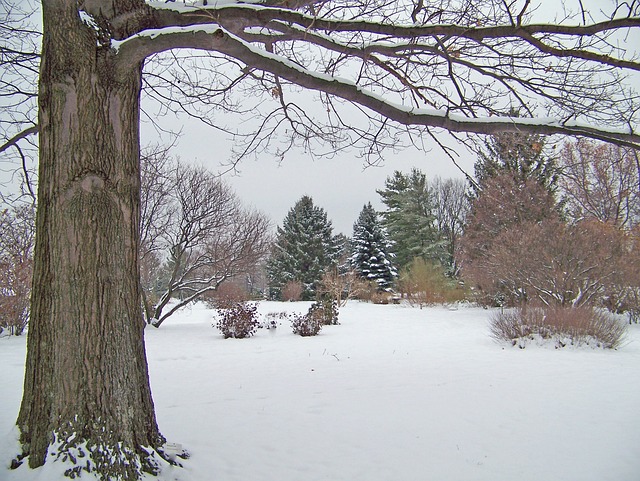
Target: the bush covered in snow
pixel 273 319
pixel 309 324
pixel 560 325
pixel 238 320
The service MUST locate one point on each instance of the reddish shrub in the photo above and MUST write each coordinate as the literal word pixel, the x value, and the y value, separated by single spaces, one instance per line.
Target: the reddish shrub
pixel 292 291
pixel 239 320
pixel 309 324
pixel 15 295
pixel 228 294
pixel 562 326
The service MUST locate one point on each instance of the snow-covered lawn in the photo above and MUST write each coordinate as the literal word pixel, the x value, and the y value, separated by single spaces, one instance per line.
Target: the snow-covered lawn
pixel 392 394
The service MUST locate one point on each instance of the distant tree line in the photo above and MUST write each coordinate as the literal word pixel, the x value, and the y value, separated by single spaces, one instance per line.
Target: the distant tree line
pixel 535 225
pixel 423 220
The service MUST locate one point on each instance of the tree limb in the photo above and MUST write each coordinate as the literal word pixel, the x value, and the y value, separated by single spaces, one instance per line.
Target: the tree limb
pixel 18 137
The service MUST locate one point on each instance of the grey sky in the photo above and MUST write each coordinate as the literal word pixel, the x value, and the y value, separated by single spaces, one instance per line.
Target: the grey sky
pixel 341 185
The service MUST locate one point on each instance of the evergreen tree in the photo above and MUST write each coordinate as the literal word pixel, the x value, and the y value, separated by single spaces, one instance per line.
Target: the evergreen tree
pixel 521 155
pixel 372 257
pixel 304 249
pixel 410 218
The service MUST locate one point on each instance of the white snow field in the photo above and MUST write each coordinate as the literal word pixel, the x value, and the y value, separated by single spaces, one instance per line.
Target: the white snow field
pixel 394 393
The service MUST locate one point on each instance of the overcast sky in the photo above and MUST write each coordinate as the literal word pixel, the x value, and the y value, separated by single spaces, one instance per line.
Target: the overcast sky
pixel 340 185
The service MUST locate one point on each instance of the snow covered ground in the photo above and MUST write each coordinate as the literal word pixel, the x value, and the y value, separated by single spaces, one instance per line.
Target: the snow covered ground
pixel 392 394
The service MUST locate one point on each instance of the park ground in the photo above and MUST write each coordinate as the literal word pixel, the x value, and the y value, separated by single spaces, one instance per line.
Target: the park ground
pixel 392 393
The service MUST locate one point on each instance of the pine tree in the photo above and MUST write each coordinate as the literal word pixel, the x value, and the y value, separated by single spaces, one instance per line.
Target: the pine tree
pixel 304 249
pixel 410 218
pixel 372 257
pixel 521 155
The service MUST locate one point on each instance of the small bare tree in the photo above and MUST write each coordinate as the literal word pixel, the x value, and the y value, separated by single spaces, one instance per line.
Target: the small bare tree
pixel 156 194
pixel 195 225
pixel 601 181
pixel 451 207
pixel 504 203
pixel 556 264
pixel 17 233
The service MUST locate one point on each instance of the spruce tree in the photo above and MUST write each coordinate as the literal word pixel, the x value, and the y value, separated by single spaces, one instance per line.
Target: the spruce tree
pixel 305 248
pixel 410 218
pixel 521 155
pixel 372 257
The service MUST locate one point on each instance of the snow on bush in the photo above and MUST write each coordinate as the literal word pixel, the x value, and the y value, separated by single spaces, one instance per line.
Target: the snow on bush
pixel 562 326
pixel 273 319
pixel 238 320
pixel 309 324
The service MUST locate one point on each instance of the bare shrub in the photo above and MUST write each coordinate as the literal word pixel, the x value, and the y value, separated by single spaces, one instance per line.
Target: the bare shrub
pixel 425 283
pixel 369 292
pixel 626 295
pixel 292 291
pixel 342 286
pixel 15 294
pixel 560 325
pixel 565 264
pixel 380 297
pixel 239 320
pixel 17 233
pixel 227 294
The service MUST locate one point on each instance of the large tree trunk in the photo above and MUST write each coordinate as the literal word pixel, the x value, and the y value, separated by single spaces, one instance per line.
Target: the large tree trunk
pixel 87 398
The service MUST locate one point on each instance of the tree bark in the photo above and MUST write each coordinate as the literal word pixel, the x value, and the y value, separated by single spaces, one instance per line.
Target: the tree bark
pixel 87 398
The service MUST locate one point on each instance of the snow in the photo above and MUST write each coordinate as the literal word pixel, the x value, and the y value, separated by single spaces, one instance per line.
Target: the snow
pixel 393 393
pixel 88 20
pixel 152 33
pixel 188 7
pixel 424 116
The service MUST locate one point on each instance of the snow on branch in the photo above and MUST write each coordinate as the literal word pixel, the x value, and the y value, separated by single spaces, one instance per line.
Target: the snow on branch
pixel 236 15
pixel 434 73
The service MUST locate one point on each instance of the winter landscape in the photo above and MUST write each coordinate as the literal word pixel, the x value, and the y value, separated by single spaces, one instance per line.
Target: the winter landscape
pixel 159 322
pixel 392 393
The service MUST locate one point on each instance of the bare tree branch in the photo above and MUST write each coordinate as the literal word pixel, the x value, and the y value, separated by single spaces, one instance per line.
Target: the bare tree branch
pixel 532 62
pixel 13 141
